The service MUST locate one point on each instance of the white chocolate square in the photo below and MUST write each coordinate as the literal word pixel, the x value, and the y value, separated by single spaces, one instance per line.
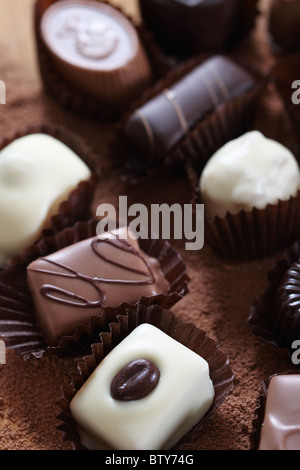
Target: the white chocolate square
pixel 37 173
pixel 179 401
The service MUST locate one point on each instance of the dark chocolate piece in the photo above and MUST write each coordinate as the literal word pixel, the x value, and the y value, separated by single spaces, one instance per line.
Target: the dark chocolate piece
pixel 286 313
pixel 135 381
pixel 281 426
pixel 155 128
pixel 189 27
pixel 71 285
pixel 284 24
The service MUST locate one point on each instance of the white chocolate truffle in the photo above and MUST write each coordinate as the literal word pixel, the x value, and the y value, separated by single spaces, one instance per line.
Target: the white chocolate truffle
pixel 37 173
pixel 250 171
pixel 180 399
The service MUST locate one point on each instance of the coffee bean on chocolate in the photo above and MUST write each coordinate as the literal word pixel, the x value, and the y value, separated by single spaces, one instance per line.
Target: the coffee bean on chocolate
pixel 135 381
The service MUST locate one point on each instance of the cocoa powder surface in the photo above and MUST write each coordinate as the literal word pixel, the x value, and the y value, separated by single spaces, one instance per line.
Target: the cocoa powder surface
pixel 221 291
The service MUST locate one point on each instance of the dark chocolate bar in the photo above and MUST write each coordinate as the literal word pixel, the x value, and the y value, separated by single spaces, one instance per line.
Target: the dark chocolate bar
pixel 155 128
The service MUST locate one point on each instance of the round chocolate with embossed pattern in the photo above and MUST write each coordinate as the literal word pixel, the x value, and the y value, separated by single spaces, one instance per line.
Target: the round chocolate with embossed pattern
pixel 96 49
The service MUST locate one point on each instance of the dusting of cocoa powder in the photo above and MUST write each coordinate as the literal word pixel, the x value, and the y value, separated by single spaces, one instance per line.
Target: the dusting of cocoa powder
pixel 221 292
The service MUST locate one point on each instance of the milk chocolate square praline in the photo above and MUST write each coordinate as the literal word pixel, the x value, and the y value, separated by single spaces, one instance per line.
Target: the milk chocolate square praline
pixel 77 282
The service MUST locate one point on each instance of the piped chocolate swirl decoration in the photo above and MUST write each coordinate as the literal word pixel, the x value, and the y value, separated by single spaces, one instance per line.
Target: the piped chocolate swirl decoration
pixel 66 297
pixel 286 314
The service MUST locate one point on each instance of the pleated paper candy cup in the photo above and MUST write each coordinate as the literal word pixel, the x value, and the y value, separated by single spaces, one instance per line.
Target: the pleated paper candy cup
pixel 123 321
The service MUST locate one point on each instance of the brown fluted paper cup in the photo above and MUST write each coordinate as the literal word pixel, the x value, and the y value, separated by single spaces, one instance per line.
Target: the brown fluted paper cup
pixel 277 330
pixel 226 122
pixel 18 324
pixel 78 204
pixel 60 85
pixel 249 234
pixel 123 321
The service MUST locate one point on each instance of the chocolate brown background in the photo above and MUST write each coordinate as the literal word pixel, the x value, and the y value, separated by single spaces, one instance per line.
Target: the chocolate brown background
pixel 221 291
